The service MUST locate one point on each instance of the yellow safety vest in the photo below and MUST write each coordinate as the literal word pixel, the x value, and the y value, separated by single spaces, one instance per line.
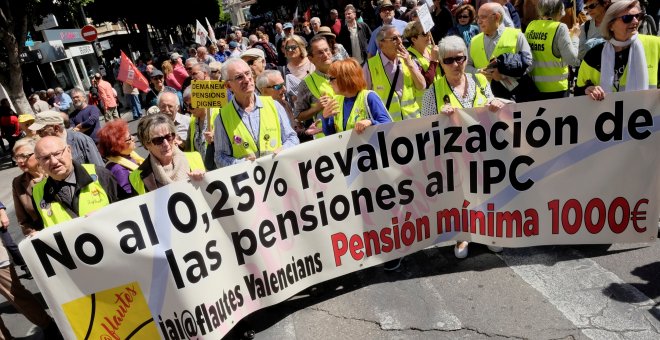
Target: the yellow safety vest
pixel 91 198
pixel 318 86
pixel 240 138
pixel 193 120
pixel 550 74
pixel 195 162
pixel 425 63
pixel 506 44
pixel 402 108
pixel 358 112
pixel 442 89
pixel 589 73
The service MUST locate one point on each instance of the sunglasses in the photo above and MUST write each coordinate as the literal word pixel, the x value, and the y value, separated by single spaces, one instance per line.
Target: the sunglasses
pixel 464 17
pixel 332 79
pixel 628 18
pixel 291 47
pixel 592 6
pixel 459 60
pixel 276 87
pixel 160 140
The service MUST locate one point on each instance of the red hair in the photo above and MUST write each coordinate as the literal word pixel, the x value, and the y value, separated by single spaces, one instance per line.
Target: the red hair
pixel 112 138
pixel 348 74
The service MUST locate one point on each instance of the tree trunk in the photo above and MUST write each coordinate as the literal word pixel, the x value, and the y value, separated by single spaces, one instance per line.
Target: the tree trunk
pixel 15 26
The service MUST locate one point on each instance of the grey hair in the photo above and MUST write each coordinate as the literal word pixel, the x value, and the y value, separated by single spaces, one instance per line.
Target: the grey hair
pixel 550 8
pixel 59 90
pixel 262 79
pixel 26 142
pixel 450 44
pixel 192 61
pixel 383 30
pixel 499 9
pixel 411 3
pixel 79 90
pixel 315 19
pixel 253 38
pixel 151 122
pixel 187 93
pixel 204 67
pixel 613 12
pixel 164 93
pixel 228 64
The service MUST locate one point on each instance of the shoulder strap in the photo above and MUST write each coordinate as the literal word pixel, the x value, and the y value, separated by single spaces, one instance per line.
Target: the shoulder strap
pixel 392 85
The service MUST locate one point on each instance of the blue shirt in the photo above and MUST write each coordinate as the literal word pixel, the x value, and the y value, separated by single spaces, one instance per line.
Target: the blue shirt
pixel 223 147
pixel 373 45
pixel 65 102
pixel 379 114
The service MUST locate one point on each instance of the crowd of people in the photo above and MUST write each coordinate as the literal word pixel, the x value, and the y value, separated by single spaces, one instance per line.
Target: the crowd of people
pixel 307 81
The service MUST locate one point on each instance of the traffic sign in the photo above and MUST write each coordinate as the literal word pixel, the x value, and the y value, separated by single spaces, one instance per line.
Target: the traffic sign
pixel 89 33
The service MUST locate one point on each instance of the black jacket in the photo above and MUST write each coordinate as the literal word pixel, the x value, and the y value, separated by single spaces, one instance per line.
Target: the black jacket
pixel 364 34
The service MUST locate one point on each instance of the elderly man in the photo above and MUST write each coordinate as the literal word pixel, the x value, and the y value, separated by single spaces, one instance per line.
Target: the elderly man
pixel 503 55
pixel 85 118
pixel 315 85
pixel 188 65
pixel 83 148
pixel 109 97
pixel 62 100
pixel 249 126
pixel 37 104
pixel 386 12
pixel 203 55
pixel 168 103
pixel 71 189
pixel 271 84
pixel 256 59
pixel 393 65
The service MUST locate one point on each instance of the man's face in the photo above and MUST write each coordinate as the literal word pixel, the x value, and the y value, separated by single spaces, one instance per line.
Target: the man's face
pixel 158 82
pixel 487 20
pixel 48 130
pixel 333 16
pixel 258 65
pixel 79 100
pixel 239 34
pixel 197 74
pixel 278 28
pixel 349 15
pixel 288 32
pixel 189 65
pixel 321 55
pixel 387 14
pixel 275 88
pixel 169 104
pixel 390 43
pixel 315 26
pixel 239 79
pixel 222 44
pixel 54 156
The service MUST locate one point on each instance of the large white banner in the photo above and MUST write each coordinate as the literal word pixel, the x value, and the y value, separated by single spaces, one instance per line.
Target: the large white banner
pixel 190 260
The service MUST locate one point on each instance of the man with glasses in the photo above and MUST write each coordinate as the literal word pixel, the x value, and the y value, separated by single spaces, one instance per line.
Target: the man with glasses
pixel 158 85
pixel 386 12
pixel 85 118
pixel 256 59
pixel 249 126
pixel 308 108
pixel 169 104
pixel 83 148
pixel 271 84
pixel 503 55
pixel 393 65
pixel 71 189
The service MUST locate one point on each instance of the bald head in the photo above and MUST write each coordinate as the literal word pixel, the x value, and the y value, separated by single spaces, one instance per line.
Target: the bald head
pixel 54 156
pixel 490 17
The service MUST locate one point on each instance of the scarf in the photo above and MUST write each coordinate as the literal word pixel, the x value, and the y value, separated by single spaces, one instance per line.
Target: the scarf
pixel 125 161
pixel 637 78
pixel 176 171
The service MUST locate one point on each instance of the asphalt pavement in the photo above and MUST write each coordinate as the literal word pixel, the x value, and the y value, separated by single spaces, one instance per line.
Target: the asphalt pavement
pixel 551 292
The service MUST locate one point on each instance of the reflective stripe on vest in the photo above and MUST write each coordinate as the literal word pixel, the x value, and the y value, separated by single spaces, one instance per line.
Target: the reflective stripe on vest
pixel 240 138
pixel 402 108
pixel 549 73
pixel 191 134
pixel 318 86
pixel 442 89
pixel 506 44
pixel 358 112
pixel 195 162
pixel 91 198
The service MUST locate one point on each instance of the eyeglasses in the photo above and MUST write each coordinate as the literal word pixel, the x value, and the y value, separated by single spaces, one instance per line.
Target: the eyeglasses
pixel 332 78
pixel 394 38
pixel 464 17
pixel 129 139
pixel 157 78
pixel 628 18
pixel 458 59
pixel 276 87
pixel 215 71
pixel 57 154
pixel 188 68
pixel 386 9
pixel 243 76
pixel 160 140
pixel 592 6
pixel 291 47
pixel 22 157
pixel 252 61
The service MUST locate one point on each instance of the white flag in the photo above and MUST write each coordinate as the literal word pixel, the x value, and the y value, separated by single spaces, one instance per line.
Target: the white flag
pixel 211 31
pixel 201 34
pixel 295 15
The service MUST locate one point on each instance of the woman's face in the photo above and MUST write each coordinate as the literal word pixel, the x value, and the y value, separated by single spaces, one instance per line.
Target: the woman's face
pixel 130 144
pixel 626 24
pixel 463 18
pixel 25 159
pixel 422 40
pixel 453 63
pixel 594 9
pixel 165 151
pixel 292 49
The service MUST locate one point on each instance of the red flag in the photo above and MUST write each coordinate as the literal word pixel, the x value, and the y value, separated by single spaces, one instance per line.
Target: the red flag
pixel 308 14
pixel 128 73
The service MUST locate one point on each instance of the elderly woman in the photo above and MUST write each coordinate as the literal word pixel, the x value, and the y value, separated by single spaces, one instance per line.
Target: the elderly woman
pixel 166 163
pixel 457 89
pixel 627 61
pixel 553 50
pixel 295 49
pixel 590 31
pixel 353 107
pixel 21 187
pixel 465 26
pixel 117 145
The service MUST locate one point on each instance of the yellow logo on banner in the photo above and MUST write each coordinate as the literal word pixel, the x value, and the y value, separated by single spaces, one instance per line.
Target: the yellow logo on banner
pixel 116 313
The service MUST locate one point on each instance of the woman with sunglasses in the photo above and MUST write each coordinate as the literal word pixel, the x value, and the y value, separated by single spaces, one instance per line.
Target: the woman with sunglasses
pixel 423 52
pixel 21 187
pixel 166 163
pixel 294 47
pixel 590 31
pixel 455 90
pixel 353 106
pixel 117 145
pixel 553 50
pixel 626 61
pixel 465 26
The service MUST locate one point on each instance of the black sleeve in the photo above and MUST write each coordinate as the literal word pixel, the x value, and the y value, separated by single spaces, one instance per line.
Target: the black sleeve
pixel 108 183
